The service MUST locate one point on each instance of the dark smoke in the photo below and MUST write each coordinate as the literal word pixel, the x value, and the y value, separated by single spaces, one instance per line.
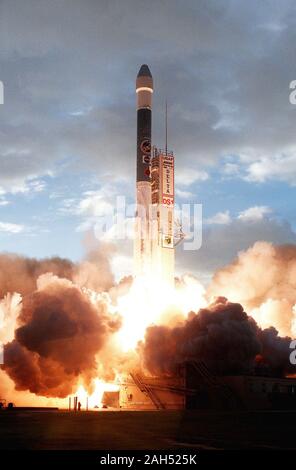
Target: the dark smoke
pixel 60 334
pixel 275 350
pixel 222 335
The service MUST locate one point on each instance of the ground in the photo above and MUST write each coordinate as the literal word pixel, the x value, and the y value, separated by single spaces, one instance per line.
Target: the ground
pixel 112 430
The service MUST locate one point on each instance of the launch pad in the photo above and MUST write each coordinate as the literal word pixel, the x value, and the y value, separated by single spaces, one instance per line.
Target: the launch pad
pixel 195 387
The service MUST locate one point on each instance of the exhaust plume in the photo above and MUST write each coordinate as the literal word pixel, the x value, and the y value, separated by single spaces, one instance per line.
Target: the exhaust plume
pixel 63 322
pixel 262 279
pixel 222 335
pixel 59 335
pixel 19 274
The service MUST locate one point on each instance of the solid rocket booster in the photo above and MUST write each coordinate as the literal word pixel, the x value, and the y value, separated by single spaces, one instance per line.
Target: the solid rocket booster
pixel 144 90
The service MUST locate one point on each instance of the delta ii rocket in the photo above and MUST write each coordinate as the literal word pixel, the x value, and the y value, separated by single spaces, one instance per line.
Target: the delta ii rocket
pixel 154 249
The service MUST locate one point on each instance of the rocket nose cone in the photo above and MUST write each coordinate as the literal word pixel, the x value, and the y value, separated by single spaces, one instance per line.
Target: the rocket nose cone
pixel 144 71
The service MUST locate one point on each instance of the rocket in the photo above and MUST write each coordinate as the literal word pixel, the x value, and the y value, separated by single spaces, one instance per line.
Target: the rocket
pixel 142 246
pixel 154 235
pixel 144 90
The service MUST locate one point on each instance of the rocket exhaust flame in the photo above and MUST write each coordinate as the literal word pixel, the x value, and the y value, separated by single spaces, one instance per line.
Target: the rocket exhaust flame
pixel 139 309
pixel 95 399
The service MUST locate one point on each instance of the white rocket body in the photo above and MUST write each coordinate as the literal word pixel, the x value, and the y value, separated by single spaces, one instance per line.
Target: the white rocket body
pixel 142 244
pixel 154 255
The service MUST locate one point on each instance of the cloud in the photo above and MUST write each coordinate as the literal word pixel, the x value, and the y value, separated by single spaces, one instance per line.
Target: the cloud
pixel 210 60
pixel 254 213
pixel 183 194
pixel 221 218
pixel 231 169
pixel 222 242
pixel 94 204
pixel 279 167
pixel 11 228
pixel 188 176
pixel 224 68
pixel 37 186
pixel 4 202
pixel 93 207
pixel 258 167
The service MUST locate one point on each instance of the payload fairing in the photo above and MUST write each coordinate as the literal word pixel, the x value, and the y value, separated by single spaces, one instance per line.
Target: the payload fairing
pixel 154 253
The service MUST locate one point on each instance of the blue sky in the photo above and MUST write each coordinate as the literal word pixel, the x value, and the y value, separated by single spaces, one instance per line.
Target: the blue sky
pixel 68 124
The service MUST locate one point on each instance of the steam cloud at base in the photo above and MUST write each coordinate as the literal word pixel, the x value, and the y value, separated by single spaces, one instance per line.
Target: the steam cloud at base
pixel 263 280
pixel 60 334
pixel 61 321
pixel 222 335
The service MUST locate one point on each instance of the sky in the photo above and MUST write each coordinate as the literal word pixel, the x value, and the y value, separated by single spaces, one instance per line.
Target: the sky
pixel 68 122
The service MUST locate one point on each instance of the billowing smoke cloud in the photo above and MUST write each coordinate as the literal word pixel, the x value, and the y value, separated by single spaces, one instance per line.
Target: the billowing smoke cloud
pixel 222 335
pixel 262 279
pixel 54 321
pixel 95 271
pixel 275 351
pixel 60 333
pixel 19 274
pixel 60 319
